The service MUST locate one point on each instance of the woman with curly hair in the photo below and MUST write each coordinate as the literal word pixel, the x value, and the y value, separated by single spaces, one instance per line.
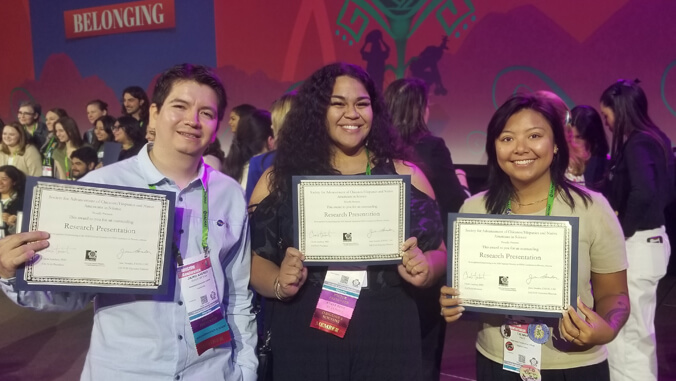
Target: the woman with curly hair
pixel 340 126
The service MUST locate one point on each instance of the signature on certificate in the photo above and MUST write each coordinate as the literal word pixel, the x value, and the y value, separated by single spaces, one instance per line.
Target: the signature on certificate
pixel 124 252
pixel 473 276
pixel 531 277
pixel 383 230
pixel 320 233
pixel 60 250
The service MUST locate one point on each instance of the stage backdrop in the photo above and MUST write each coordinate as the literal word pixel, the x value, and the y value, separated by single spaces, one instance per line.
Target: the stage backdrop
pixel 473 53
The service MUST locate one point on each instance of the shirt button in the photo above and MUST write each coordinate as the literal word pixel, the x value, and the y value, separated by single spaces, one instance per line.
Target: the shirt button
pixel 180 337
pixel 177 377
pixel 180 302
pixel 180 199
pixel 180 231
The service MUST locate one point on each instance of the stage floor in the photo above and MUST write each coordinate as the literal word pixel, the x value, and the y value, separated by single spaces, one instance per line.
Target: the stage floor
pixel 52 346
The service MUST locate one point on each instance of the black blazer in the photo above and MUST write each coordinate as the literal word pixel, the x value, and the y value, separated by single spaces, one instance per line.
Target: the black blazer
pixel 642 182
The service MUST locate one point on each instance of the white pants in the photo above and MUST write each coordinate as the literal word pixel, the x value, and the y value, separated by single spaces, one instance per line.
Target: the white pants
pixel 632 355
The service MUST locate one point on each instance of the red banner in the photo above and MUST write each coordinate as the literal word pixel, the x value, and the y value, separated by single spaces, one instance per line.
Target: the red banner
pixel 120 18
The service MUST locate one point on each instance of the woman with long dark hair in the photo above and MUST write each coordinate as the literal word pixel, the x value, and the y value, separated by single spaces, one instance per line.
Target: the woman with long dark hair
pixel 641 185
pixel 407 102
pixel 527 161
pixel 339 126
pixel 103 132
pixel 254 136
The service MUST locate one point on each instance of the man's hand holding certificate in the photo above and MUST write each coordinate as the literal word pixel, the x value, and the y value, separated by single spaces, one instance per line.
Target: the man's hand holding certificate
pixel 102 238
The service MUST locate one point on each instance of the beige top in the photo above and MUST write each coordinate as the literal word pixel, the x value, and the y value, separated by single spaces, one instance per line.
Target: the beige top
pixel 30 163
pixel 601 250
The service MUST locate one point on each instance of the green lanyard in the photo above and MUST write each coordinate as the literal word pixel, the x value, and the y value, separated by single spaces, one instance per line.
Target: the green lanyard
pixel 368 163
pixel 205 226
pixel 65 161
pixel 550 201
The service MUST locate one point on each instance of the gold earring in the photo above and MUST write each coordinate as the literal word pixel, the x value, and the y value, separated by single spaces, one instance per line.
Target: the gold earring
pixel 556 150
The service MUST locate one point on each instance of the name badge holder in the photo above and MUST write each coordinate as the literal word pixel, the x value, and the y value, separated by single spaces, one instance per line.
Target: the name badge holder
pixel 339 295
pixel 337 301
pixel 200 293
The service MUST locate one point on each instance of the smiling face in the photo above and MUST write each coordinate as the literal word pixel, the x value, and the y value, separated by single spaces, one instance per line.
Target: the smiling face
pixel 100 132
pixel 94 112
pixel 6 184
pixel 525 149
pixel 10 136
pixel 350 115
pixel 119 134
pixel 188 120
pixel 60 133
pixel 131 105
pixel 50 119
pixel 27 116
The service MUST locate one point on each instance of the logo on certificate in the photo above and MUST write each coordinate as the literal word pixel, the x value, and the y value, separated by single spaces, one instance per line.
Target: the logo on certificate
pixel 504 281
pixel 90 255
pixel 347 237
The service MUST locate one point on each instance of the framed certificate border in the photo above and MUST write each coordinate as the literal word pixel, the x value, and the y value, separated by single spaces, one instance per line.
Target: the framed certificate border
pixel 570 265
pixel 300 183
pixel 25 280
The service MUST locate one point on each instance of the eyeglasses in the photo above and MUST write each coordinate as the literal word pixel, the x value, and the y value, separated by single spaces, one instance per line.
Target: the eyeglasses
pixel 24 113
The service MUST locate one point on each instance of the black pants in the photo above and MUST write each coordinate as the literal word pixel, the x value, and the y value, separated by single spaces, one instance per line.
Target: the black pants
pixel 487 370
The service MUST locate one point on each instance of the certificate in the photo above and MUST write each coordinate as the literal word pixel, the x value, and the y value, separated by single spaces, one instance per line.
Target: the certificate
pixel 351 219
pixel 102 238
pixel 514 265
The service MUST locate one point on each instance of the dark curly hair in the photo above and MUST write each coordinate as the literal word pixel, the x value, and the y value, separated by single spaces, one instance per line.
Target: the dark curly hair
pixel 304 145
pixel 500 188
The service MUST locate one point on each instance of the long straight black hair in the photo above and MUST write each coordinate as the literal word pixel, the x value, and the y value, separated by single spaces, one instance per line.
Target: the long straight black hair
pixel 630 106
pixel 500 188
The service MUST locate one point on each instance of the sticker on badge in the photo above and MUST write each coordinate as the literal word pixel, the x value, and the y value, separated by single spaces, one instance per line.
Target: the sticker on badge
pixel 539 333
pixel 506 331
pixel 529 373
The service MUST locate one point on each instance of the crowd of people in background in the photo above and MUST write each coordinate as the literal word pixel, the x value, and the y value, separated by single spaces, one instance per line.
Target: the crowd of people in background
pixel 339 123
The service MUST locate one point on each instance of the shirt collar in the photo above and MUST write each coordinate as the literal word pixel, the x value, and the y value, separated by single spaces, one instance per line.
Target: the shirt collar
pixel 153 176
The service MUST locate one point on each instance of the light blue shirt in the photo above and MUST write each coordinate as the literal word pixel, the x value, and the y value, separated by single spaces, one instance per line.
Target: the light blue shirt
pixel 138 337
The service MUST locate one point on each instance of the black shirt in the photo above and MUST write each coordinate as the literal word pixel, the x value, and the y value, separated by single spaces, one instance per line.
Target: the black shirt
pixel 642 181
pixel 435 161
